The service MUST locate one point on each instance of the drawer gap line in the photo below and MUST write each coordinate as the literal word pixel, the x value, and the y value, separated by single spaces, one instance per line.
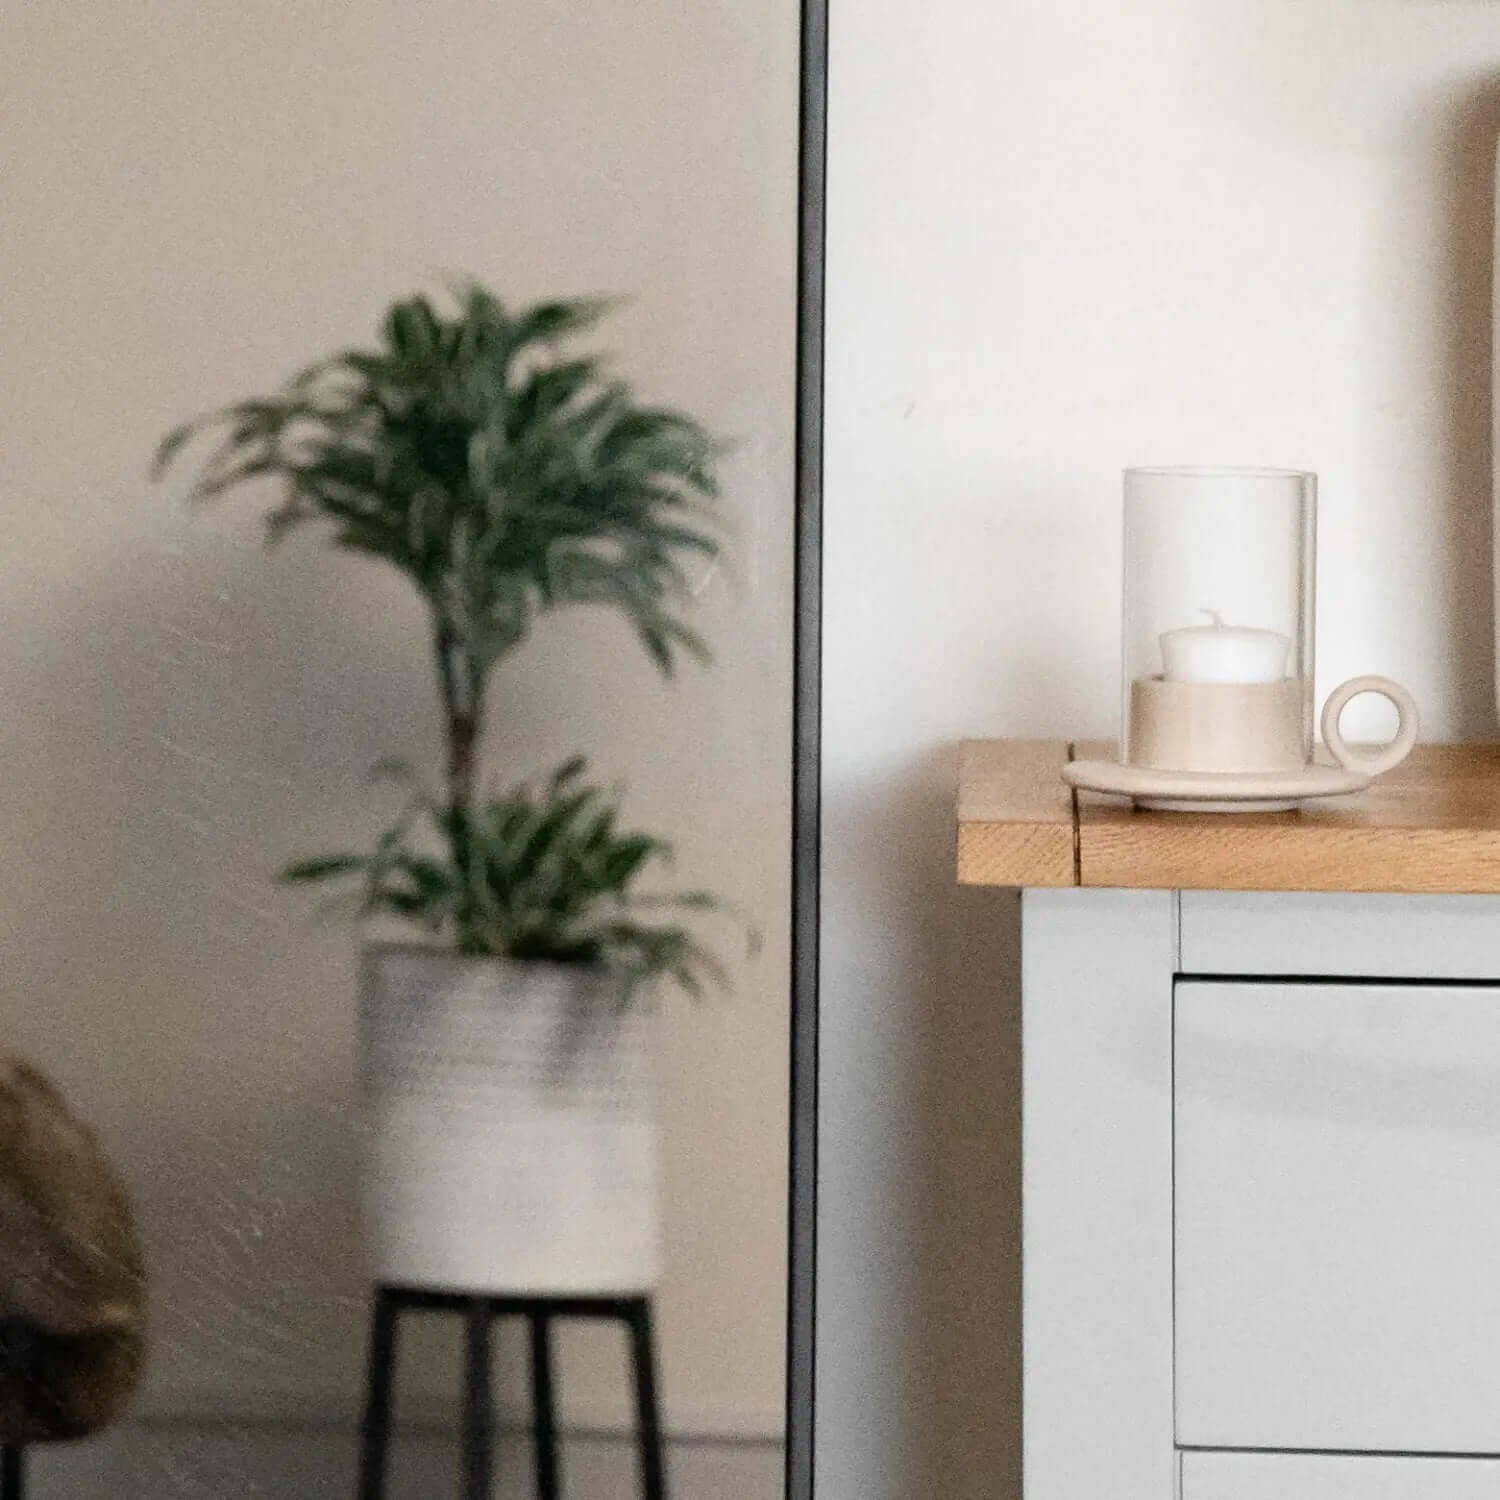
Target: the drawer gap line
pixel 1403 1453
pixel 1383 981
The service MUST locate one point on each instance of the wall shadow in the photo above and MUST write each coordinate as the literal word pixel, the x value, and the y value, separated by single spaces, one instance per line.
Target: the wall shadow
pixel 1467 271
pixel 948 1058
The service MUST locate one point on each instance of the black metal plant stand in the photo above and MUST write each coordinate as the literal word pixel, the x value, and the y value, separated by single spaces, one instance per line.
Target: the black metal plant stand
pixel 21 1369
pixel 479 1311
pixel 12 1471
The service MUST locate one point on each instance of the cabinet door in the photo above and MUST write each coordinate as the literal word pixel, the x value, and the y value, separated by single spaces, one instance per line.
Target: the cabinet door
pixel 1337 1216
pixel 1308 1476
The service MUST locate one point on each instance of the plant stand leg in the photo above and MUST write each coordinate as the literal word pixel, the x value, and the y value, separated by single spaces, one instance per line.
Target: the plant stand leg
pixel 376 1428
pixel 478 1411
pixel 648 1418
pixel 543 1401
pixel 12 1471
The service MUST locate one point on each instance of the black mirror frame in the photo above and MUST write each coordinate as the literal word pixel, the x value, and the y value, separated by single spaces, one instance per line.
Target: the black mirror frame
pixel 806 709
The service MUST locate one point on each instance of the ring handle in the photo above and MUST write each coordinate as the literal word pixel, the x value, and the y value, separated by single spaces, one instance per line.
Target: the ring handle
pixel 1371 762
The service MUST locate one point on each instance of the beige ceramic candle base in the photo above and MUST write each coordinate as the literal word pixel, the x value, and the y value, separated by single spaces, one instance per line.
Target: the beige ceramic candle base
pixel 1234 727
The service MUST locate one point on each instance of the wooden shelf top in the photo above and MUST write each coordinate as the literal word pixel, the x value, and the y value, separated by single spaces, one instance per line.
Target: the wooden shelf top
pixel 1430 826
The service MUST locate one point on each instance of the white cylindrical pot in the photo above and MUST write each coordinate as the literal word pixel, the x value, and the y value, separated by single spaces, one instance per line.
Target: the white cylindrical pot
pixel 511 1141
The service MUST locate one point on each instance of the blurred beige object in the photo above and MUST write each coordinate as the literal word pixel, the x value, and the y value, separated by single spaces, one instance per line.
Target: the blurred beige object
pixel 72 1277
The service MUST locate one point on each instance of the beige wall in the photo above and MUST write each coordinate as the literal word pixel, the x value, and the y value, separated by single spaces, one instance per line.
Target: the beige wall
pixel 195 199
pixel 1064 238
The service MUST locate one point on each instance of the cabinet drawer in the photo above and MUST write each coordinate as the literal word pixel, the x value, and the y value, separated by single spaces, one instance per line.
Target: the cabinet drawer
pixel 1337 1216
pixel 1392 937
pixel 1306 1476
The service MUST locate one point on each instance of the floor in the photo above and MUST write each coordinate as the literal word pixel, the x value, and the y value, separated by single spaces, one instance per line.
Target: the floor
pixel 173 1461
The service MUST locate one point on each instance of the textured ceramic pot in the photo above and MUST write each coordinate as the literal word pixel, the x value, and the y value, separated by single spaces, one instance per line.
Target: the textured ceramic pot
pixel 511 1141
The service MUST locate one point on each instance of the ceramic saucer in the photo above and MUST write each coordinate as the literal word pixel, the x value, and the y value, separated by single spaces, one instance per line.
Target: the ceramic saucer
pixel 1211 791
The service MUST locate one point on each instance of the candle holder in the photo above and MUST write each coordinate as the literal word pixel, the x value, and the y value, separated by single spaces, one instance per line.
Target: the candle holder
pixel 1217 628
pixel 1217 648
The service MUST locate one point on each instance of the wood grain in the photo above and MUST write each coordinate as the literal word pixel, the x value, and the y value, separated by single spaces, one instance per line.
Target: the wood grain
pixel 1016 820
pixel 1430 826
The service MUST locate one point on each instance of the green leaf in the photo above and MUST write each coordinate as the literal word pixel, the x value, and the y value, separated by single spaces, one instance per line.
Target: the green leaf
pixel 625 859
pixel 570 770
pixel 548 321
pixel 322 867
pixel 411 329
pixel 169 447
pixel 429 877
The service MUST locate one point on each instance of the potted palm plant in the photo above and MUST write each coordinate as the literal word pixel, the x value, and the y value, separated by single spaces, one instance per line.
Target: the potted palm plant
pixel 506 1053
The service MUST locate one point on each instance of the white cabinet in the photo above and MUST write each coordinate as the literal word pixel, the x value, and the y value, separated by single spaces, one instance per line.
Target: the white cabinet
pixel 1295 1476
pixel 1261 1197
pixel 1337 1205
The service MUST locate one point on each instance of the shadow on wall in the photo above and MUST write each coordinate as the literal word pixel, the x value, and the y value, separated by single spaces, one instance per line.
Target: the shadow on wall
pixel 1467 272
pixel 964 1350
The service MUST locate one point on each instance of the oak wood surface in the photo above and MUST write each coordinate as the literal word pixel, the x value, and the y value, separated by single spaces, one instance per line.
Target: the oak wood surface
pixel 1016 823
pixel 1430 826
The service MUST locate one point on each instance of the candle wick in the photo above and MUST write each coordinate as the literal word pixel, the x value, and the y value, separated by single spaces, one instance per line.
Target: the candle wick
pixel 1216 617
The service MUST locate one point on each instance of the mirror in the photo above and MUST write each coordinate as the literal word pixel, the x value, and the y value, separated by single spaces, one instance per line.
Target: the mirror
pixel 197 207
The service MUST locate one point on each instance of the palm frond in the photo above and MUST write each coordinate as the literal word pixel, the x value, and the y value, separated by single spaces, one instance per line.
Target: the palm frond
pixel 470 452
pixel 548 876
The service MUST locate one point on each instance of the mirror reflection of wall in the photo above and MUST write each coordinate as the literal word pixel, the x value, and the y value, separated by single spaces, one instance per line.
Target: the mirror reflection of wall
pixel 197 205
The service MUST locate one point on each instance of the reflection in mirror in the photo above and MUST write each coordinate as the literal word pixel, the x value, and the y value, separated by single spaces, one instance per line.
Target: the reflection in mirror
pixel 394 1091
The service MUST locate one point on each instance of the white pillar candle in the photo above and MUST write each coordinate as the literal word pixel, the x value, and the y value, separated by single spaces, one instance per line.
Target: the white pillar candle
pixel 1223 653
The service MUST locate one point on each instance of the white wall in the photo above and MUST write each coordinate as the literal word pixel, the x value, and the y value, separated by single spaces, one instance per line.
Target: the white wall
pixel 1064 239
pixel 195 199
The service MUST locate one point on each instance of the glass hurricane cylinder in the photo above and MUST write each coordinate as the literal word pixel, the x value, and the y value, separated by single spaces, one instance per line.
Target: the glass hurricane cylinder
pixel 1218 619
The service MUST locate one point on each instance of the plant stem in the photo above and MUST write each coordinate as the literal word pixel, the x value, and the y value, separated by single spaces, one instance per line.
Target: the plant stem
pixel 460 729
pixel 462 690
